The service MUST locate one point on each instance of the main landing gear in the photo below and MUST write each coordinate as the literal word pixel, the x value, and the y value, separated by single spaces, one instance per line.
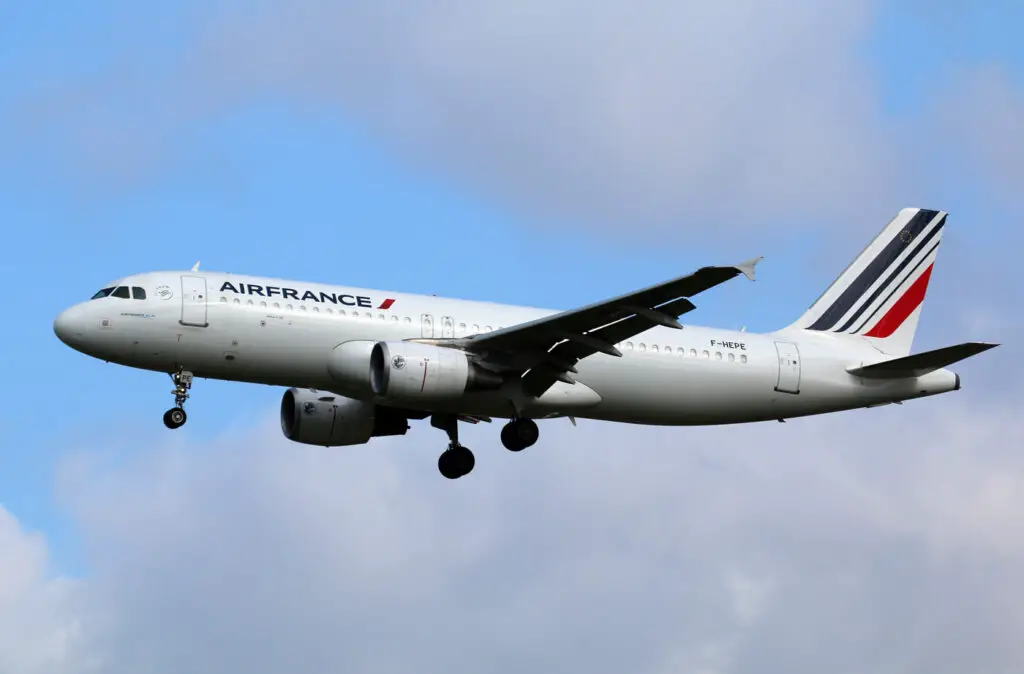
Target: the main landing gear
pixel 519 434
pixel 176 417
pixel 457 460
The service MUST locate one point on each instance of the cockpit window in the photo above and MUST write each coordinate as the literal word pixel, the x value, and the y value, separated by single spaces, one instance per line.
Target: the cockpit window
pixel 138 293
pixel 102 293
pixel 122 292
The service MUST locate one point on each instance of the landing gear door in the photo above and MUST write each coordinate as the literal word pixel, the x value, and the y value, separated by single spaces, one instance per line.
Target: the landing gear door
pixel 193 301
pixel 789 368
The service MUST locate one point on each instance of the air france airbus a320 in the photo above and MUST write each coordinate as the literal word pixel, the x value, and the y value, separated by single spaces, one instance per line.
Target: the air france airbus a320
pixel 361 363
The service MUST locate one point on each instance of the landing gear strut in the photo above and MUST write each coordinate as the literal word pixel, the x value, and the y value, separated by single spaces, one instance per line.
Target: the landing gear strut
pixel 176 417
pixel 519 434
pixel 457 460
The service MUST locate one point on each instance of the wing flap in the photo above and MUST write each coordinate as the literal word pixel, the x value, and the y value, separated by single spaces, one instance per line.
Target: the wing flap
pixel 921 364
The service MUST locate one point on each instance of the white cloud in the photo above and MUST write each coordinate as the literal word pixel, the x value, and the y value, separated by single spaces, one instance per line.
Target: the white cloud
pixel 888 540
pixel 42 628
pixel 987 113
pixel 650 115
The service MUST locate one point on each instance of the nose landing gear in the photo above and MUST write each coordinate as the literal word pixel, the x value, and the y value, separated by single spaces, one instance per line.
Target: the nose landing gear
pixel 176 417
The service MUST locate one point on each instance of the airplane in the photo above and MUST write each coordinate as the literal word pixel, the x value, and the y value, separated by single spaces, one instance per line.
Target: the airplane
pixel 359 364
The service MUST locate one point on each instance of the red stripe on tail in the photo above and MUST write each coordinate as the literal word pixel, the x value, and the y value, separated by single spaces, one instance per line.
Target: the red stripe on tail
pixel 901 311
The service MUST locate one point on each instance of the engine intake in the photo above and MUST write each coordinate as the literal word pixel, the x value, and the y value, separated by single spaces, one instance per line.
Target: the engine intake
pixel 414 371
pixel 329 420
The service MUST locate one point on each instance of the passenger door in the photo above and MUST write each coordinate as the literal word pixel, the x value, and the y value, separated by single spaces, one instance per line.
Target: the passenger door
pixel 789 368
pixel 193 301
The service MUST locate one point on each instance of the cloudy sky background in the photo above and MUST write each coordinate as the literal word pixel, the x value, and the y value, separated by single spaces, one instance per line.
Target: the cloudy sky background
pixel 545 153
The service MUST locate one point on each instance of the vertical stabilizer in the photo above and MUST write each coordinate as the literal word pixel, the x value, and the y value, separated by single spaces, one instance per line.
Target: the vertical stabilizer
pixel 880 295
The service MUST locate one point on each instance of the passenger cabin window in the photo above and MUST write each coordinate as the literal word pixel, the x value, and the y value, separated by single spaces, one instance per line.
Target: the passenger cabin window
pixel 122 292
pixel 138 293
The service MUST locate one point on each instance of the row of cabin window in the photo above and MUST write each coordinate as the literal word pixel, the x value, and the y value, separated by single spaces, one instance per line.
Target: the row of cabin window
pixel 691 353
pixel 641 347
pixel 353 313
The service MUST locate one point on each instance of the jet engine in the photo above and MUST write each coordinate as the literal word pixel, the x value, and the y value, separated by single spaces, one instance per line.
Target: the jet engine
pixel 321 418
pixel 415 371
pixel 349 367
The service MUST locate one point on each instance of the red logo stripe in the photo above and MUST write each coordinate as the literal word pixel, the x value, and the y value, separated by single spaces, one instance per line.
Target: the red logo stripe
pixel 906 305
pixel 386 304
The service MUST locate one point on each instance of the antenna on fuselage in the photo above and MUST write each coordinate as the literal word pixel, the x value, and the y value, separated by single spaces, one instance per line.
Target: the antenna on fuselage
pixel 195 267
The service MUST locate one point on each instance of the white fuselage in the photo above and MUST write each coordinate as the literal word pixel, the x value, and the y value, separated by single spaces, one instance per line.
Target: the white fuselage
pixel 218 326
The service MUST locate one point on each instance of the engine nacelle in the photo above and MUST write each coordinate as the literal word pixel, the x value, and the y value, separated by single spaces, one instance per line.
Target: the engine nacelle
pixel 414 371
pixel 329 420
pixel 349 366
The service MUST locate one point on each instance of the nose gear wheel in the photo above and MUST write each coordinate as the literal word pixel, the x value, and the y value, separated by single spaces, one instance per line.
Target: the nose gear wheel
pixel 176 417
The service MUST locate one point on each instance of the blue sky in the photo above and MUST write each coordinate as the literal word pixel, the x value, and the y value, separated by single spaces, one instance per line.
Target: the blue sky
pixel 284 184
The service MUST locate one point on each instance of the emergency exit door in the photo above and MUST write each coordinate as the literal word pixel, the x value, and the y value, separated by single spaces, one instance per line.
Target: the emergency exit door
pixel 789 368
pixel 427 325
pixel 193 301
pixel 447 327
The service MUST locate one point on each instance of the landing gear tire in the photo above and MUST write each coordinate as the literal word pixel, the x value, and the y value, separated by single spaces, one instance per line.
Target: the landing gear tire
pixel 175 418
pixel 456 462
pixel 519 434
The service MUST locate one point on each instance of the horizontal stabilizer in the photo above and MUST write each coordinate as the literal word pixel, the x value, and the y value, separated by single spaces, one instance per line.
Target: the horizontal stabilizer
pixel 921 364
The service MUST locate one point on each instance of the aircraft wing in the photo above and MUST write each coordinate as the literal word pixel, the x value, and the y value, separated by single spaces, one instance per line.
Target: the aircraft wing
pixel 548 348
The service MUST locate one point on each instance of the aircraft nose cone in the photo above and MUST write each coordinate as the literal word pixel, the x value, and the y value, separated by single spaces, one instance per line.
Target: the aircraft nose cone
pixel 68 326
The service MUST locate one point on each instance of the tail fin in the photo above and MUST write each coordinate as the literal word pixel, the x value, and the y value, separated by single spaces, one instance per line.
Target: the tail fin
pixel 880 295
